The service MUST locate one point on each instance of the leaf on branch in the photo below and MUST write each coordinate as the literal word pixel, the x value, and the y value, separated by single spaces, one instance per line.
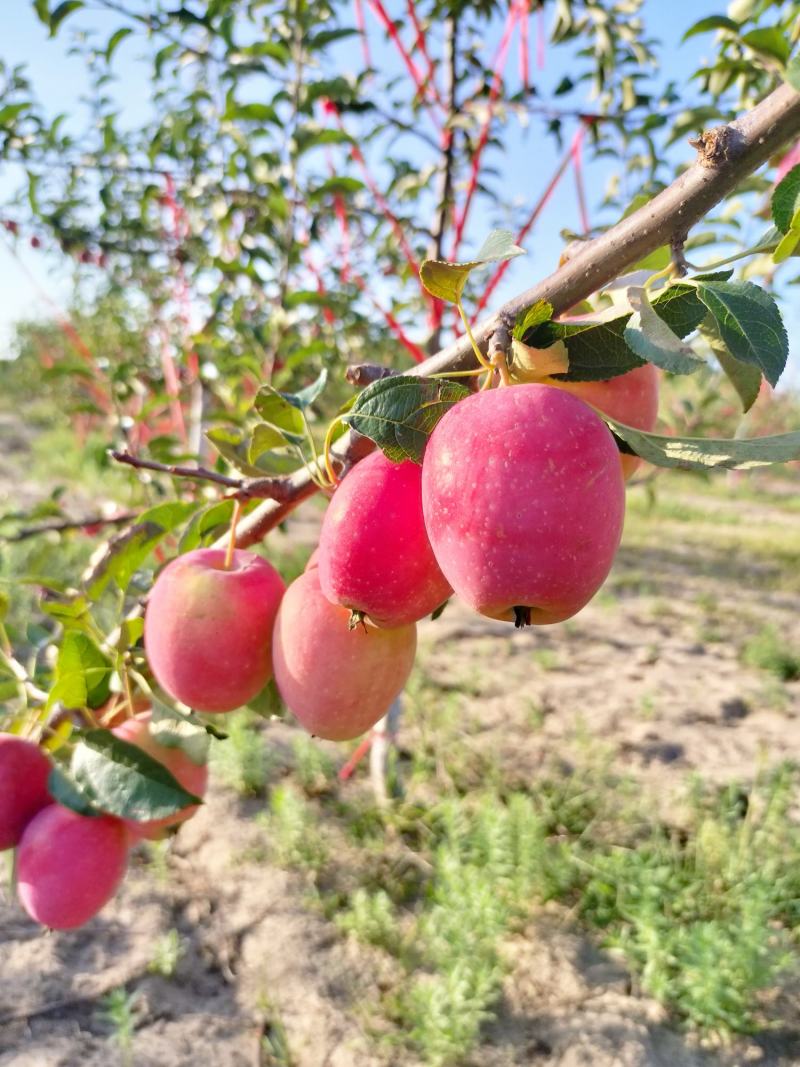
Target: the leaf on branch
pixel 531 317
pixel 744 377
pixel 115 40
pixel 264 439
pixel 696 453
pixel 447 280
pixel 174 729
pixel 399 413
pixel 792 73
pixel 127 551
pixel 82 673
pixel 711 22
pixel 598 350
pixel 532 364
pixel 59 13
pixel 786 199
pixel 651 338
pixel 205 524
pixel 768 41
pixel 750 324
pixel 123 780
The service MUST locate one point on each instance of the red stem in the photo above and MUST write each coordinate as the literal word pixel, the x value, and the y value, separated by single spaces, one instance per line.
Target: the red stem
pixel 541 36
pixel 498 65
pixel 577 166
pixel 389 26
pixel 421 44
pixel 536 211
pixel 524 44
pixel 361 26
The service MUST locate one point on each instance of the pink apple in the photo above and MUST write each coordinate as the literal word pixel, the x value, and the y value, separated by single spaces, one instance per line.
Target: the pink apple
pixel 24 770
pixel 192 776
pixel 208 631
pixel 69 866
pixel 631 398
pixel 524 502
pixel 374 553
pixel 338 682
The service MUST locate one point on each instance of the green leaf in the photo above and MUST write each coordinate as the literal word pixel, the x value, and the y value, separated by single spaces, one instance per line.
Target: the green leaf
pixel 531 317
pixel 10 112
pixel 264 439
pixel 283 411
pixel 792 73
pixel 42 9
pixel 768 41
pixel 63 788
pixel 60 13
pixel 650 338
pixel 82 673
pixel 127 551
pixel 232 445
pixel 115 40
pixel 304 398
pixel 787 245
pixel 205 523
pixel 697 453
pixel 447 280
pixel 786 199
pixel 123 780
pixel 252 113
pixel 346 186
pixel 399 413
pixel 172 729
pixel 5 604
pixel 711 22
pixel 750 324
pixel 744 377
pixel 598 351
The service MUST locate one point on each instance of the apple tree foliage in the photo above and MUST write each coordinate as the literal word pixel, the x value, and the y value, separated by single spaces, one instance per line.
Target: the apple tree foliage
pixel 301 196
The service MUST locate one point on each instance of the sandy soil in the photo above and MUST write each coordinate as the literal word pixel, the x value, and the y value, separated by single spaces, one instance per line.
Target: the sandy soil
pixel 640 678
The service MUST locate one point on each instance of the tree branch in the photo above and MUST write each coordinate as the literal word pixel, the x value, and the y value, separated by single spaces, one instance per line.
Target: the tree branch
pixel 749 142
pixel 266 488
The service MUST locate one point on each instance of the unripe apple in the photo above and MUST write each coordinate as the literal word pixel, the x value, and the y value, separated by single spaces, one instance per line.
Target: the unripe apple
pixel 374 552
pixel 24 770
pixel 337 681
pixel 192 776
pixel 69 866
pixel 631 398
pixel 524 502
pixel 208 631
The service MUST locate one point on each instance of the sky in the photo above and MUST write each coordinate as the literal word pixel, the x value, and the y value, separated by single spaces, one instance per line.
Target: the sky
pixel 38 282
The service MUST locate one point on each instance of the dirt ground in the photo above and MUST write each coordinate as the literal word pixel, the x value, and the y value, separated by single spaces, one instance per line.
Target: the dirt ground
pixel 642 678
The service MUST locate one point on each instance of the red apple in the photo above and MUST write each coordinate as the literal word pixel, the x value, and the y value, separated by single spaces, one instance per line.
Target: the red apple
pixel 208 631
pixel 524 502
pixel 24 770
pixel 374 553
pixel 192 776
pixel 69 866
pixel 631 398
pixel 338 682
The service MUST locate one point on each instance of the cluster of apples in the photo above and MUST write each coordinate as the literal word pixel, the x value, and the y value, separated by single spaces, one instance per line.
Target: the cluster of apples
pixel 68 866
pixel 517 508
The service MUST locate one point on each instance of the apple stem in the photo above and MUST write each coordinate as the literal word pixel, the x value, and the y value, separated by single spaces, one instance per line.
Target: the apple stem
pixel 237 513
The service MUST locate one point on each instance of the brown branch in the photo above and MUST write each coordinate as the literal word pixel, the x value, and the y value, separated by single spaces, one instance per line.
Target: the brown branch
pixel 361 374
pixel 61 525
pixel 757 135
pixel 266 488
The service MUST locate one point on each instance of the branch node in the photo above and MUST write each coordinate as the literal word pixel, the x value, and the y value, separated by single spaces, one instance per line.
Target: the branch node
pixel 719 146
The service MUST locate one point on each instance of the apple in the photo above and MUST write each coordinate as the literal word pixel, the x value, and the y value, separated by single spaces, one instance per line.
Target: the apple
pixel 337 681
pixel 192 776
pixel 374 553
pixel 24 770
pixel 69 866
pixel 524 501
pixel 208 630
pixel 631 398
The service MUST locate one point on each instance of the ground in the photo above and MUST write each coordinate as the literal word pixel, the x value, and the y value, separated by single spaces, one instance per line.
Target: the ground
pixel 226 945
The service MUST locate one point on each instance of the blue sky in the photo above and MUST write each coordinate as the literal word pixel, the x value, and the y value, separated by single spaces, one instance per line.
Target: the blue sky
pixel 61 80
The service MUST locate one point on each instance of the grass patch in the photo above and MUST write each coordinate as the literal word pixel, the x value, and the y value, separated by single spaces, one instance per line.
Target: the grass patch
pixel 769 651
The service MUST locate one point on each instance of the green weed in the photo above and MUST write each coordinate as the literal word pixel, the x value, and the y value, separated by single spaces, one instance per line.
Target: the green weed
pixel 769 651
pixel 241 761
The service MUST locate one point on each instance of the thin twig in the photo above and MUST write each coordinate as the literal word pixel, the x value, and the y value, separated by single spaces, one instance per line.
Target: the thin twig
pixel 60 525
pixel 361 374
pixel 266 488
